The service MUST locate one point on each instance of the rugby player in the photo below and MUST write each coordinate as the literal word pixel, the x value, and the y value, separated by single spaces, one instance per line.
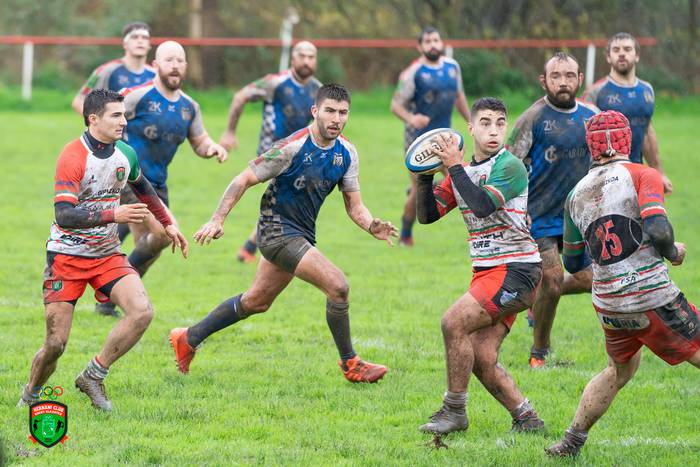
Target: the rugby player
pixel 425 96
pixel 491 194
pixel 83 246
pixel 302 169
pixel 128 71
pixel 617 211
pixel 550 137
pixel 161 117
pixel 621 90
pixel 288 97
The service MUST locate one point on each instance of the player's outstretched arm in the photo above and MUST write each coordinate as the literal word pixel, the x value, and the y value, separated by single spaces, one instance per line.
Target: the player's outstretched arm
pixel 69 216
pixel 463 107
pixel 361 216
pixel 650 151
pixel 229 140
pixel 214 229
pixel 206 148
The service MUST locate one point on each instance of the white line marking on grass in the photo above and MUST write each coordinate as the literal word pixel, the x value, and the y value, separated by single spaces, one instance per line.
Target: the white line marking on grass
pixel 636 441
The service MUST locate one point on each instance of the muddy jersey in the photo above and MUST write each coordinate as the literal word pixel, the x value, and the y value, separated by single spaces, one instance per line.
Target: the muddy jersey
pixel 114 76
pixel 605 213
pixel 502 237
pixel 301 175
pixel 552 144
pixel 636 102
pixel 429 90
pixel 91 184
pixel 157 126
pixel 287 105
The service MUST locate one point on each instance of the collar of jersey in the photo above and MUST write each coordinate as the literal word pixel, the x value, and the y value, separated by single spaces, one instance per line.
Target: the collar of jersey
pixel 474 163
pixel 313 140
pixel 439 65
pixel 620 85
pixel 559 109
pixel 97 148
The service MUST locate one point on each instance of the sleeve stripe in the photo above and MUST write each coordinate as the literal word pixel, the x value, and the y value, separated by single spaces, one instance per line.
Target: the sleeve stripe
pixel 66 194
pixel 497 194
pixel 646 212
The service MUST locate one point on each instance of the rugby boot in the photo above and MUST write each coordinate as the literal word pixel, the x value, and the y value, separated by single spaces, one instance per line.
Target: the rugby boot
pixel 245 256
pixel 184 353
pixel 95 390
pixel 359 371
pixel 538 357
pixel 446 420
pixel 528 422
pixel 27 398
pixel 569 446
pixel 406 241
pixel 106 309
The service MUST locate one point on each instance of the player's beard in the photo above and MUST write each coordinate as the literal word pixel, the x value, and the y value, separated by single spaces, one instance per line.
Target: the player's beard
pixel 623 69
pixel 323 129
pixel 563 100
pixel 433 55
pixel 172 82
pixel 304 71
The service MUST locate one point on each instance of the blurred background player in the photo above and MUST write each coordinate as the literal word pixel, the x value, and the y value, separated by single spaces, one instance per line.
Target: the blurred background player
pixel 427 92
pixel 287 97
pixel 491 194
pixel 550 137
pixel 303 170
pixel 160 118
pixel 621 90
pixel 83 245
pixel 618 212
pixel 126 72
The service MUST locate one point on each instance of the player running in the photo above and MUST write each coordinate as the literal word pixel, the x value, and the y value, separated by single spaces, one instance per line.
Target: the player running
pixel 491 194
pixel 288 97
pixel 302 169
pixel 621 90
pixel 550 137
pixel 425 96
pixel 83 246
pixel 128 71
pixel 617 211
pixel 161 117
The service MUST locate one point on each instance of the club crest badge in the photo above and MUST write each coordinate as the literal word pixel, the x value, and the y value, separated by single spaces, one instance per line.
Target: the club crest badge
pixel 48 422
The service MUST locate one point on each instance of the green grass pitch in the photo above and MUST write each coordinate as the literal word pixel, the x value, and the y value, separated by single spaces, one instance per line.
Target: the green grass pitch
pixel 268 390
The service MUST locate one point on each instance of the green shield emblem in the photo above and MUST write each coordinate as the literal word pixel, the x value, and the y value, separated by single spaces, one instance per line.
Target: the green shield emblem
pixel 121 171
pixel 48 423
pixel 57 285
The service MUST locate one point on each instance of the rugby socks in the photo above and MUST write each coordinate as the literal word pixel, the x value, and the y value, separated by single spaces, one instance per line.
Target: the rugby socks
pixel 540 354
pixel 406 228
pixel 224 315
pixel 524 410
pixel 250 247
pixel 140 259
pixel 95 370
pixel 339 323
pixel 575 437
pixel 455 402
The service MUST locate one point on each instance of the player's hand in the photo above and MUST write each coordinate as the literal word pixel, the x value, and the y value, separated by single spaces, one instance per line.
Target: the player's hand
pixel 419 121
pixel 229 141
pixel 131 213
pixel 448 150
pixel 179 240
pixel 383 230
pixel 208 232
pixel 218 151
pixel 668 186
pixel 681 254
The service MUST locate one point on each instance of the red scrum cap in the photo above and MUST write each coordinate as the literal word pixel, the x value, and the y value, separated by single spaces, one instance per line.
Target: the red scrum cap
pixel 608 134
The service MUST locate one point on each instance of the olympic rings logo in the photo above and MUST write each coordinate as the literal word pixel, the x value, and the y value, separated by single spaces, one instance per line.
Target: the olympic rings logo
pixel 47 392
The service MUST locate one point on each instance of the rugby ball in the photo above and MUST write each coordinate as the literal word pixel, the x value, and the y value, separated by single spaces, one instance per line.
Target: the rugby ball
pixel 421 158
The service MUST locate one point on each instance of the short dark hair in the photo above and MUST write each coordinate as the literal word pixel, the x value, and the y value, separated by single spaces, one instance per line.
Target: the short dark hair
pixel 333 91
pixel 97 100
pixel 134 26
pixel 489 103
pixel 426 30
pixel 621 36
pixel 562 57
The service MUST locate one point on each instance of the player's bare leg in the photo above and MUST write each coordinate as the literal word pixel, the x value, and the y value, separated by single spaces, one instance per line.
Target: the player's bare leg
pixel 595 401
pixel 545 307
pixel 579 282
pixel 246 254
pixel 486 343
pixel 462 318
pixel 131 297
pixel 409 214
pixel 270 280
pixel 59 317
pixel 319 271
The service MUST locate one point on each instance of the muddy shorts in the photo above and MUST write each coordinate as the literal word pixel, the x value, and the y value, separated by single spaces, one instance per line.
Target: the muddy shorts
pixel 286 253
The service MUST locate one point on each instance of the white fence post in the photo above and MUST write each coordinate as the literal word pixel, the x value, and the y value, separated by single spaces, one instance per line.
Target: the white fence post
pixel 27 65
pixel 590 65
pixel 288 23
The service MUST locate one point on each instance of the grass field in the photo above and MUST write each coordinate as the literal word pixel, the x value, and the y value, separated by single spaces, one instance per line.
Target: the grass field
pixel 268 391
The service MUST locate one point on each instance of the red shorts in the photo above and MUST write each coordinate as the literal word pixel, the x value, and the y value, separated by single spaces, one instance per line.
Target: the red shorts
pixel 505 290
pixel 66 277
pixel 672 332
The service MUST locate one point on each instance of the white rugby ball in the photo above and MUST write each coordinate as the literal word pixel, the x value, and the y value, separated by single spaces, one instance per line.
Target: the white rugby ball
pixel 421 158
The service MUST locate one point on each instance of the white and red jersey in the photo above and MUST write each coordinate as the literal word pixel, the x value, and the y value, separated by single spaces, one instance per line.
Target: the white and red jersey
pixel 605 212
pixel 92 184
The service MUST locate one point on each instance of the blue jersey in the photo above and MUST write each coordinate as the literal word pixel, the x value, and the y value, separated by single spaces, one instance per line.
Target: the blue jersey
pixel 157 126
pixel 302 175
pixel 115 76
pixel 635 102
pixel 552 144
pixel 429 90
pixel 287 105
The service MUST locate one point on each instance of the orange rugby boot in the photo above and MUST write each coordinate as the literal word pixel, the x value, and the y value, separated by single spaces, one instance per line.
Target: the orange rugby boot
pixel 184 353
pixel 359 371
pixel 245 256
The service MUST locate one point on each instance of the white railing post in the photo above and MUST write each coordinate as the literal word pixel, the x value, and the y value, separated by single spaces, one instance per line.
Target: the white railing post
pixel 27 66
pixel 288 23
pixel 590 65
